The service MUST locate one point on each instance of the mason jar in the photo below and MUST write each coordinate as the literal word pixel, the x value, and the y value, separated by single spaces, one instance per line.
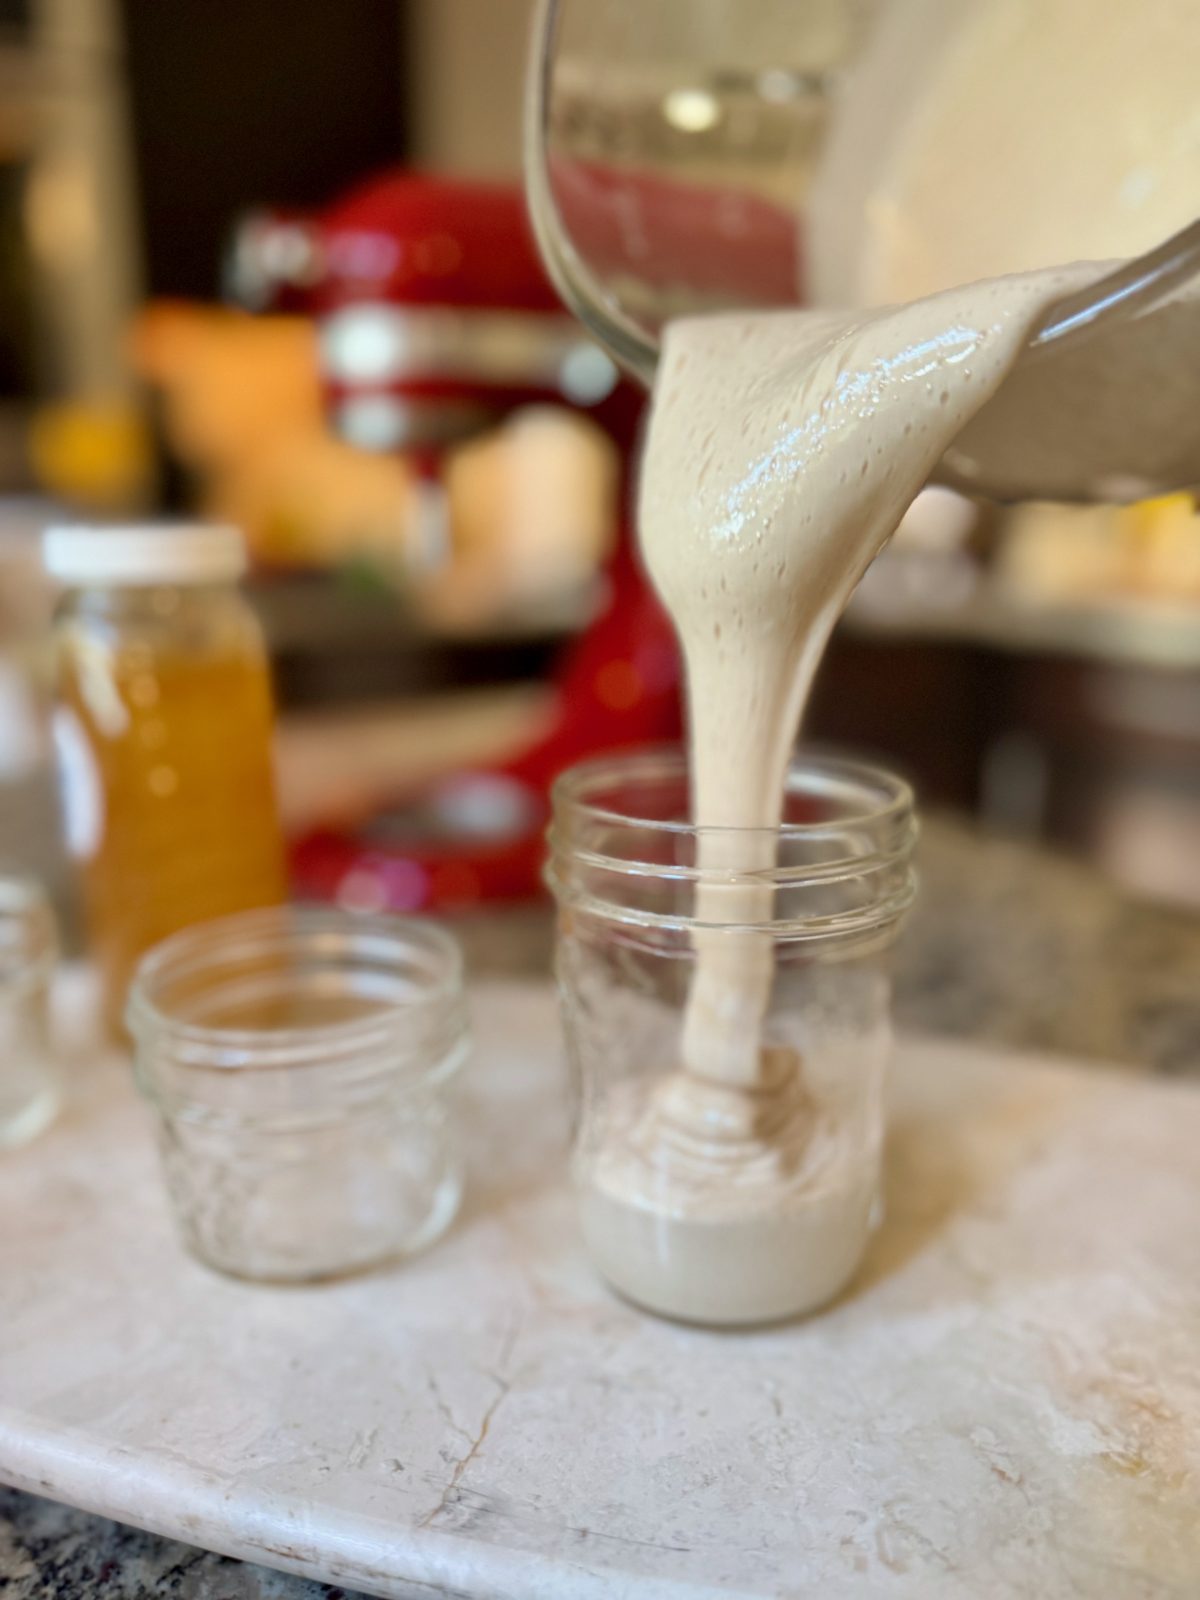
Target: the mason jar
pixel 726 1000
pixel 301 1064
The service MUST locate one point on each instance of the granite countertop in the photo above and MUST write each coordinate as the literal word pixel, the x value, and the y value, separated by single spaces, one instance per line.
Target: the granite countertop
pixel 1009 944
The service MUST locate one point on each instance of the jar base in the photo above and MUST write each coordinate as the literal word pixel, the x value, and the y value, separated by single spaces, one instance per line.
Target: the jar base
pixel 274 1275
pixel 730 1323
pixel 734 1270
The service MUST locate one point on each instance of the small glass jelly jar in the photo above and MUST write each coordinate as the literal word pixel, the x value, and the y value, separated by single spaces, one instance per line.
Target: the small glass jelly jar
pixel 30 1088
pixel 300 1063
pixel 727 1007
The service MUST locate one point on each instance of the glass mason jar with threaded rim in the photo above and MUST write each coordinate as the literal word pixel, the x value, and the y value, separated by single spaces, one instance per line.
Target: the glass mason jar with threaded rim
pixel 726 1000
pixel 301 1063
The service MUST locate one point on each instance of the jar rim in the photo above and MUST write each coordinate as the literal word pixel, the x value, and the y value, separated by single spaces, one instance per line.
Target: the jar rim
pixel 896 797
pixel 208 948
pixel 646 872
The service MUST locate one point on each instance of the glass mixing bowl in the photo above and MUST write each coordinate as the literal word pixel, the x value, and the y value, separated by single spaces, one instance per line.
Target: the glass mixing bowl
pixel 688 155
pixel 669 146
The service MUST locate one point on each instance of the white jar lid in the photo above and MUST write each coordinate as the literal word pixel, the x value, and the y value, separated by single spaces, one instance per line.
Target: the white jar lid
pixel 144 553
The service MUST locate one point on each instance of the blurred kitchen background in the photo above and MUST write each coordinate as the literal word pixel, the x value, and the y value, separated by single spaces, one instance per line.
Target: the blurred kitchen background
pixel 222 294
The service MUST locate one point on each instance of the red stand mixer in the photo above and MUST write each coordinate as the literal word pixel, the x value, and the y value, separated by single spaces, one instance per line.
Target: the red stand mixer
pixel 436 320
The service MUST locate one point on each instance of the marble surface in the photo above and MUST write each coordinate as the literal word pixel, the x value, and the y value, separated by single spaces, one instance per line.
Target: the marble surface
pixel 1008 943
pixel 1006 1403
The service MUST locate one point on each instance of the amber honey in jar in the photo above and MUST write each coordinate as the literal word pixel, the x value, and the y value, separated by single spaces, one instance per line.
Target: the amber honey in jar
pixel 163 728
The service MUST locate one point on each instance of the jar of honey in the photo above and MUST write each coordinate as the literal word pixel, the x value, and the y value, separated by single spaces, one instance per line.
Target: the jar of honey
pixel 163 733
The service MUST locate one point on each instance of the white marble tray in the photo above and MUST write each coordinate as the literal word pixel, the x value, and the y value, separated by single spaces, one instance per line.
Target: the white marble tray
pixel 1007 1404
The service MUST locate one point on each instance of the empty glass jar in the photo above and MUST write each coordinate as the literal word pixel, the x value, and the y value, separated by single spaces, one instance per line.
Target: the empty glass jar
pixel 300 1062
pixel 726 1001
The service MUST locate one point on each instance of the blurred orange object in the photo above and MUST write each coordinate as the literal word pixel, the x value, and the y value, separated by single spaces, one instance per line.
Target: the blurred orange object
pixel 243 409
pixel 91 454
pixel 526 505
pixel 1148 552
